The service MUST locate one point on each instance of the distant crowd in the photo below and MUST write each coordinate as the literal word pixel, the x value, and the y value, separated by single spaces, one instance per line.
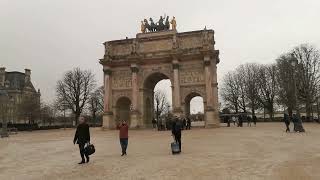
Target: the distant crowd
pixel 238 119
pixel 166 123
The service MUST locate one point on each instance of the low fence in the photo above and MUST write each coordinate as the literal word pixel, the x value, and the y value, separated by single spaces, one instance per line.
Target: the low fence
pixel 33 127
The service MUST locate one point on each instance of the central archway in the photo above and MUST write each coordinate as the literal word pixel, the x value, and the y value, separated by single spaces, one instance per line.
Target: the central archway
pixel 149 85
pixel 123 108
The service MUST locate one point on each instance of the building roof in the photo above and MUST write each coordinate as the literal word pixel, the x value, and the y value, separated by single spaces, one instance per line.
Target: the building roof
pixel 16 81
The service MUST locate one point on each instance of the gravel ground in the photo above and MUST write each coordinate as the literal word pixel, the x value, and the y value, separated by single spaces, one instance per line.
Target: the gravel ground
pixel 262 152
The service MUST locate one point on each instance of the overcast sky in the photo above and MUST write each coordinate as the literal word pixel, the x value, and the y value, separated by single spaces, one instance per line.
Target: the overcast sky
pixel 53 36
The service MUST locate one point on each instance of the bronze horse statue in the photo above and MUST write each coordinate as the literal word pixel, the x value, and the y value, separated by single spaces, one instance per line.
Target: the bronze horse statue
pixel 151 27
pixel 160 26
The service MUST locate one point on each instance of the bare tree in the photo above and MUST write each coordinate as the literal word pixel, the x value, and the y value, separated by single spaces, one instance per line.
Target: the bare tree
pixel 230 91
pixel 285 83
pixel 75 88
pixel 241 85
pixel 308 74
pixel 161 103
pixel 96 102
pixel 251 74
pixel 267 87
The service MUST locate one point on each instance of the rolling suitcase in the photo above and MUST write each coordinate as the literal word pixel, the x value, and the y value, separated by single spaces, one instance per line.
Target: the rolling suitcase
pixel 175 148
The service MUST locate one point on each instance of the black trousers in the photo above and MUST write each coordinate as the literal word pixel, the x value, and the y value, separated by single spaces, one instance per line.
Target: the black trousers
pixel 82 152
pixel 177 137
pixel 288 128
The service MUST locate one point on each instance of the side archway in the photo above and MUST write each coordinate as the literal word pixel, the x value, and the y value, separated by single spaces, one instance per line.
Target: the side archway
pixel 187 102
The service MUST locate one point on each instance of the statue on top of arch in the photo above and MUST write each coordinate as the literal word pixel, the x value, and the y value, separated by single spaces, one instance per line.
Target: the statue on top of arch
pixel 162 25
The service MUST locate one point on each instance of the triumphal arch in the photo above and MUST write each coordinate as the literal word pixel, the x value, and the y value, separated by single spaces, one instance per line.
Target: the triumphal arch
pixel 132 68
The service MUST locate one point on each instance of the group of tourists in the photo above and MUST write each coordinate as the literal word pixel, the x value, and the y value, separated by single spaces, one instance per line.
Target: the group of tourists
pixel 166 123
pixel 297 123
pixel 238 120
pixel 82 136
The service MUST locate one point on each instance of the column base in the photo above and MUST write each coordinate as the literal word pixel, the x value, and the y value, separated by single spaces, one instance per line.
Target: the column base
pixel 108 121
pixel 212 119
pixel 177 112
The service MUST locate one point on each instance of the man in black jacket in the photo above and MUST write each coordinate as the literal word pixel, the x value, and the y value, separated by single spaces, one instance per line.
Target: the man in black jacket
pixel 81 137
pixel 176 131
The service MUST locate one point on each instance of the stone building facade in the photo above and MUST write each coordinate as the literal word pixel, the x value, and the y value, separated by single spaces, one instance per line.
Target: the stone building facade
pixel 18 86
pixel 132 68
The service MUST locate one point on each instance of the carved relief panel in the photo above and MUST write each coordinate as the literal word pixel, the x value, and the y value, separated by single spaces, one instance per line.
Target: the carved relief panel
pixel 121 79
pixel 191 73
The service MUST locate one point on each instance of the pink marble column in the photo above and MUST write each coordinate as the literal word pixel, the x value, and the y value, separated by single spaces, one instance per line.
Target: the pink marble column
pixel 107 89
pixel 176 89
pixel 135 114
pixel 135 87
pixel 208 80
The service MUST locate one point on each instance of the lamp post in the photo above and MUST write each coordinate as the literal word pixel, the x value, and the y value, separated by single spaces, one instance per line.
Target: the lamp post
pixel 64 105
pixel 294 63
pixel 317 100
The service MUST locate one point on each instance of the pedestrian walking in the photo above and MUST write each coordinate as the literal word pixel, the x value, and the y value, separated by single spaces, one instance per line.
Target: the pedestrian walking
pixel 81 137
pixel 154 123
pixel 184 122
pixel 188 123
pixel 176 131
pixel 249 121
pixel 123 136
pixel 286 121
pixel 254 120
pixel 234 120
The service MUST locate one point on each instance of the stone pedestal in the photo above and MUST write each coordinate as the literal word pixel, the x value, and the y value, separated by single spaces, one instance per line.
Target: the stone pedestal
pixel 108 121
pixel 135 119
pixel 211 119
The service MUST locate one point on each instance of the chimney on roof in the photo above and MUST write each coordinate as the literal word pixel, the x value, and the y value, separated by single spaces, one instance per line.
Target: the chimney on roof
pixel 27 73
pixel 2 76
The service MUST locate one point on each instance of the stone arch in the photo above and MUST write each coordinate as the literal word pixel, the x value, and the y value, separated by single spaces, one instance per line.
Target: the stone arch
pixel 148 85
pixel 151 74
pixel 188 99
pixel 123 109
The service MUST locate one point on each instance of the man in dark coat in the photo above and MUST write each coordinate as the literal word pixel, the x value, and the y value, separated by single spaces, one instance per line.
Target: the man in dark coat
pixel 286 121
pixel 81 137
pixel 176 131
pixel 184 123
pixel 254 119
pixel 188 123
pixel 297 124
pixel 123 135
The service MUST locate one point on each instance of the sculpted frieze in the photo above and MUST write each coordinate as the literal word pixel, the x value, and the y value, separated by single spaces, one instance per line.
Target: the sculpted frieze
pixel 121 79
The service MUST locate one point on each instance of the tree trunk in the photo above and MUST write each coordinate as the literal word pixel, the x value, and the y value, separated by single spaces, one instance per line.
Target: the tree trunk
pixel 76 118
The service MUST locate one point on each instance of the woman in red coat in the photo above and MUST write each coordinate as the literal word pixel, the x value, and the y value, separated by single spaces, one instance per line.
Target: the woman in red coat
pixel 123 135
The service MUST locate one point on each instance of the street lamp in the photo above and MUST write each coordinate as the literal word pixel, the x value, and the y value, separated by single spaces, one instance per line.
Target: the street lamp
pixel 294 63
pixel 65 106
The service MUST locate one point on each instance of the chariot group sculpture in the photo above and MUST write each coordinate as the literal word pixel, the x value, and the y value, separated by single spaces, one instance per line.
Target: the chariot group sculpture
pixel 162 25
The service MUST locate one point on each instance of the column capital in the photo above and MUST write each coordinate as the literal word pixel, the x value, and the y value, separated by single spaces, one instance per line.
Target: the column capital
pixel 107 71
pixel 175 65
pixel 207 62
pixel 134 69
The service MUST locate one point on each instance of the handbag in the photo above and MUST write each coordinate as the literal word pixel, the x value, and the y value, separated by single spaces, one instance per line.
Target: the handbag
pixel 89 149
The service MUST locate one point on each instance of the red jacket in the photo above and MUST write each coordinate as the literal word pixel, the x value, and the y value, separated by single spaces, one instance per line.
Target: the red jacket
pixel 123 133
